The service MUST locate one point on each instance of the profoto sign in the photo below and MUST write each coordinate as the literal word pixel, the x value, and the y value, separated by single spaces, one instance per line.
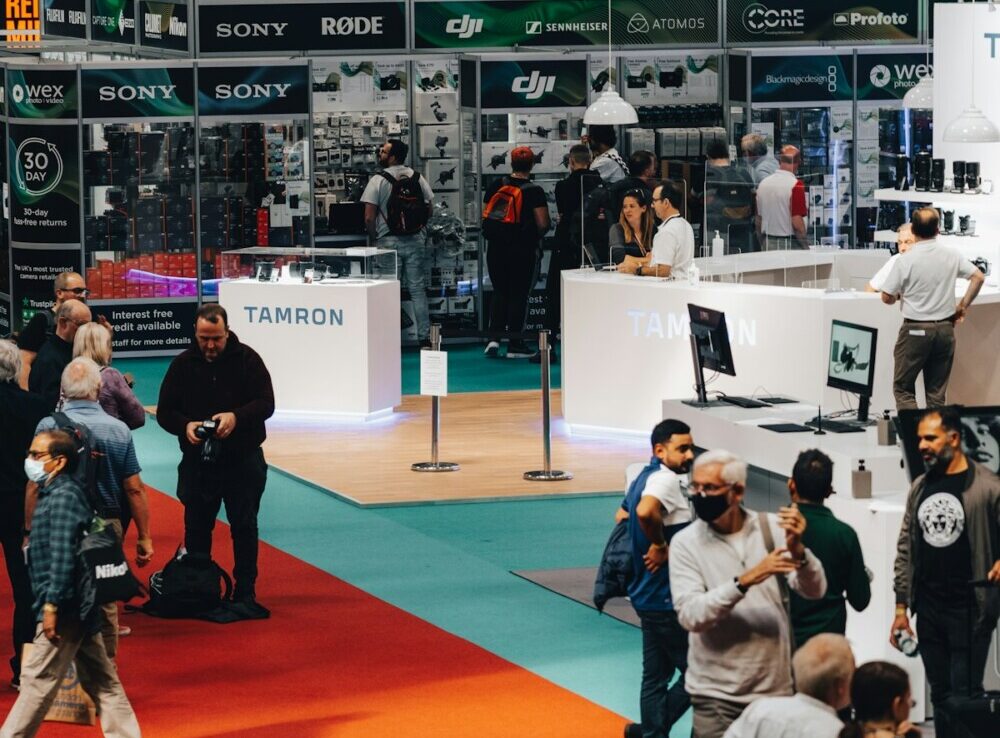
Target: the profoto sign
pixel 867 19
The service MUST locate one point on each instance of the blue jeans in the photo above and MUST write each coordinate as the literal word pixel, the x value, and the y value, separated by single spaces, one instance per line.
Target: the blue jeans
pixel 664 649
pixel 411 255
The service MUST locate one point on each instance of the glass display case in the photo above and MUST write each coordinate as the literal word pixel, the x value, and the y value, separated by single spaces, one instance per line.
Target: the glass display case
pixel 292 265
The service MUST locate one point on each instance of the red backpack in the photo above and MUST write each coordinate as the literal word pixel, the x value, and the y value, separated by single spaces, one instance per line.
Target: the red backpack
pixel 502 214
pixel 407 206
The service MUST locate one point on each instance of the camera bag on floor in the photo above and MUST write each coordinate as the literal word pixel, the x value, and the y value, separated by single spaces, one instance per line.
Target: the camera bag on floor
pixel 978 715
pixel 191 585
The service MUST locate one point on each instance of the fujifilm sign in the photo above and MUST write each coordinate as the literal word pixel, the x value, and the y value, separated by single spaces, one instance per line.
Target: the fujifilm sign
pixel 870 19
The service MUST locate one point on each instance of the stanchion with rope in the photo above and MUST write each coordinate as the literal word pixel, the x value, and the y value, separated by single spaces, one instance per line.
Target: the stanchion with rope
pixel 547 474
pixel 434 465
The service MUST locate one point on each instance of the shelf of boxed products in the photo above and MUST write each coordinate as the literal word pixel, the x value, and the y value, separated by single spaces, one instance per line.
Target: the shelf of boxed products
pixel 144 276
pixel 965 199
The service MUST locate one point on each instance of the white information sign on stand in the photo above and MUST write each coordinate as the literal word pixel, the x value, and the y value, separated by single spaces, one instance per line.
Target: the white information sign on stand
pixel 434 373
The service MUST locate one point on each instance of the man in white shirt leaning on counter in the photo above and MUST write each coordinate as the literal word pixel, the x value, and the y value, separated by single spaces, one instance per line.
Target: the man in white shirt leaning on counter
pixel 673 242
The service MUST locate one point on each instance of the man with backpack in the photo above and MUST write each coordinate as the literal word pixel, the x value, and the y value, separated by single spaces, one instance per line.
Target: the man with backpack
pixel 109 473
pixel 398 204
pixel 67 618
pixel 515 217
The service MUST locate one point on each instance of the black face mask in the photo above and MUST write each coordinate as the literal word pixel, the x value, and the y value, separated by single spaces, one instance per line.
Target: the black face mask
pixel 710 507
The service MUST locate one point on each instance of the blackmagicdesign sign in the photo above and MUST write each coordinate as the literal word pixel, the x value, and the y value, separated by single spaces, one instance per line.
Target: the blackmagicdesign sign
pixel 770 22
pixel 889 76
pixel 254 90
pixel 44 183
pixel 65 18
pixel 784 79
pixel 164 25
pixel 483 24
pixel 42 93
pixel 301 26
pixel 128 92
pixel 112 21
pixel 533 84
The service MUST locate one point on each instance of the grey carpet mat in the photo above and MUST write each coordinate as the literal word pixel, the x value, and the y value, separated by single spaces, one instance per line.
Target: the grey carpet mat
pixel 578 585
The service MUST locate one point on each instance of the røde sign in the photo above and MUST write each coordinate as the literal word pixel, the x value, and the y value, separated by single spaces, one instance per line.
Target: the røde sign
pixel 341 26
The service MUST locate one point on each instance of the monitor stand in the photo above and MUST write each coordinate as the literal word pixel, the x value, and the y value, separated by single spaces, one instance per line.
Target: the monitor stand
pixel 702 400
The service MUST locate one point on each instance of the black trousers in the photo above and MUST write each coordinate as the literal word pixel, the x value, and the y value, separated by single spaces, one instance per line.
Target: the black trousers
pixel 23 630
pixel 664 652
pixel 238 484
pixel 562 259
pixel 953 670
pixel 512 271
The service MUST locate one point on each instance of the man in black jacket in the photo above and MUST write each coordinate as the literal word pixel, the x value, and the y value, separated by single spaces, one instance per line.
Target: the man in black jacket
pixel 21 412
pixel 57 352
pixel 224 381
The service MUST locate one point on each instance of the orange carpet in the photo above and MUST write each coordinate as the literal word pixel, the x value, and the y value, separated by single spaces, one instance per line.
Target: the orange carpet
pixel 331 662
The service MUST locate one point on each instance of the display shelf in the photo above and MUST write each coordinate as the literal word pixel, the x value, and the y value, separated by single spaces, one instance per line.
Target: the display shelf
pixel 944 198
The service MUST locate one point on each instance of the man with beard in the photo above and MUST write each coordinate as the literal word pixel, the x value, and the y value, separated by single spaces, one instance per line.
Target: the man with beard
pixel 735 609
pixel 657 509
pixel 950 535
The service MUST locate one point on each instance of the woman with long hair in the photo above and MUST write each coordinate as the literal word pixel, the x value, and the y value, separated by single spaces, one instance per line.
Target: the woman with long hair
pixel 632 235
pixel 880 696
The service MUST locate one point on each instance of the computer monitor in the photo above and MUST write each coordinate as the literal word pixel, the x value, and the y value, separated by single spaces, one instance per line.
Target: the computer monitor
pixel 851 364
pixel 980 437
pixel 710 347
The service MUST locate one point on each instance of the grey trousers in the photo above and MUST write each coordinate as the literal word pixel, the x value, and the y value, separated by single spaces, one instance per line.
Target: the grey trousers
pixel 42 673
pixel 712 717
pixel 927 348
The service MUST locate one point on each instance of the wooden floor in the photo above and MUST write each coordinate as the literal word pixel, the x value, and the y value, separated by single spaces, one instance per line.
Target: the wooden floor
pixel 494 436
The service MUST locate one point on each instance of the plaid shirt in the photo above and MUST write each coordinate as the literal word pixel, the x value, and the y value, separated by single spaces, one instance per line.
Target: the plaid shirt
pixel 60 518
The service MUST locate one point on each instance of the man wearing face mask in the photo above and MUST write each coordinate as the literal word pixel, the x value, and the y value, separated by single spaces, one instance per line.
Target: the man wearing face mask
pixel 950 535
pixel 735 609
pixel 64 601
pixel 657 509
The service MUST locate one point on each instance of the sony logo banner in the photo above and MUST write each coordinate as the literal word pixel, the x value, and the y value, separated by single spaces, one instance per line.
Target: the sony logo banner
pixel 244 90
pixel 131 93
pixel 302 26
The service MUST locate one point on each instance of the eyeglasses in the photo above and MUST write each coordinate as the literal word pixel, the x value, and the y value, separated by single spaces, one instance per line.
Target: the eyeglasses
pixel 77 290
pixel 708 489
pixel 659 199
pixel 38 455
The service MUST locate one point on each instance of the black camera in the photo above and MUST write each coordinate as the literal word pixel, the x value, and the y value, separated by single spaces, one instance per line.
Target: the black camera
pixel 210 445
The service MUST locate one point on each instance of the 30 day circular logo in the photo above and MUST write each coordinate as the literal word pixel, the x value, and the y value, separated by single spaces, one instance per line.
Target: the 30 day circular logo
pixel 880 75
pixel 39 166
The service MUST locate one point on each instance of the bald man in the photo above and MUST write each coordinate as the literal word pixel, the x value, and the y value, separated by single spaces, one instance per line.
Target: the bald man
pixel 57 351
pixel 781 205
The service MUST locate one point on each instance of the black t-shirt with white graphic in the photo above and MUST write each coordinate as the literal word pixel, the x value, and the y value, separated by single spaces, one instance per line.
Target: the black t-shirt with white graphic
pixel 945 554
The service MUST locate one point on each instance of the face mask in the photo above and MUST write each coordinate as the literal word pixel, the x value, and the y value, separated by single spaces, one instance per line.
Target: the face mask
pixel 710 507
pixel 35 471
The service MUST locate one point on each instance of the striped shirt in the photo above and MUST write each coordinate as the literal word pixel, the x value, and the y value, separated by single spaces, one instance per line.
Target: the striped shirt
pixel 110 437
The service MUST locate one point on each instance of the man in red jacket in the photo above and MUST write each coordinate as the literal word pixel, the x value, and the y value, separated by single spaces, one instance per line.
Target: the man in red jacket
pixel 215 399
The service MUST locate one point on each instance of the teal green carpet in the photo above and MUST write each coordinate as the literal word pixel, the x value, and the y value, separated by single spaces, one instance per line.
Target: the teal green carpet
pixel 450 564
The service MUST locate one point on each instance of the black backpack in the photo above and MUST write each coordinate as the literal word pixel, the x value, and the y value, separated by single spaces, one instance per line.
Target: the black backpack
pixel 407 208
pixel 89 459
pixel 189 586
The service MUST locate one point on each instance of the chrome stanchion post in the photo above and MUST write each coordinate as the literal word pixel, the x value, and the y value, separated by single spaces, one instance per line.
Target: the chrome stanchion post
pixel 434 465
pixel 547 474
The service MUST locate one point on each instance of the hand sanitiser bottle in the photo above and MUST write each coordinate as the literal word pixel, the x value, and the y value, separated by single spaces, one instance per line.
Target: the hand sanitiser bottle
pixel 718 246
pixel 694 275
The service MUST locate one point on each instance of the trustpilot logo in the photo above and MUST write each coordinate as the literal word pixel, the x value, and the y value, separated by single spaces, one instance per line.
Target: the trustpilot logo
pixel 534 86
pixel 464 27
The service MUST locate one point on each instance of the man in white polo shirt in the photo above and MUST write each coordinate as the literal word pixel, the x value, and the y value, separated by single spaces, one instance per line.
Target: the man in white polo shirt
pixel 781 205
pixel 923 279
pixel 673 243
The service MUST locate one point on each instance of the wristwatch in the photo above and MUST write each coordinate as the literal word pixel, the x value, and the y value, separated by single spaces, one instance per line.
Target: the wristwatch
pixel 638 271
pixel 743 589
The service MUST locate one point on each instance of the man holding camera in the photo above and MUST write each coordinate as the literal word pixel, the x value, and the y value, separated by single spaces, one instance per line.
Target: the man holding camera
pixel 215 398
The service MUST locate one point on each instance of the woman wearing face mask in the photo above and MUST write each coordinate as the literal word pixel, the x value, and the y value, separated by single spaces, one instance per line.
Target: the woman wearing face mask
pixel 631 238
pixel 880 695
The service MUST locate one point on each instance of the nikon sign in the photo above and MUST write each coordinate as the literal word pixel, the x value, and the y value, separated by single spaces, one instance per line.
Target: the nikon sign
pixel 496 24
pixel 767 22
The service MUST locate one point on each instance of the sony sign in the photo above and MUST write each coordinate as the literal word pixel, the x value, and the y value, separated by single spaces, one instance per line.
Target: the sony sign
pixel 142 92
pixel 250 30
pixel 248 91
pixel 353 26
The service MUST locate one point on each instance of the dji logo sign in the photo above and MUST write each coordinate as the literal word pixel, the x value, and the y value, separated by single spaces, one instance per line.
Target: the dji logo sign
pixel 464 27
pixel 533 87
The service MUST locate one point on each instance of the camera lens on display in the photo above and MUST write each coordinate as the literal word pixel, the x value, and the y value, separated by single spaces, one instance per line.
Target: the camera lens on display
pixel 958 172
pixel 902 171
pixel 210 445
pixel 948 221
pixel 972 180
pixel 963 224
pixel 937 175
pixel 922 171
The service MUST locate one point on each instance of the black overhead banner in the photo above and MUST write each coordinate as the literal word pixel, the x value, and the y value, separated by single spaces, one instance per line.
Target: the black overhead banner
pixel 65 18
pixel 34 272
pixel 112 21
pixel 163 25
pixel 777 22
pixel 302 26
pixel 149 326
pixel 44 183
pixel 254 90
pixel 787 79
pixel 527 83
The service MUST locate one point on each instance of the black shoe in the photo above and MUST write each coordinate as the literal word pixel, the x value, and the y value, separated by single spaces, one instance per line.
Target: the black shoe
pixel 633 730
pixel 249 609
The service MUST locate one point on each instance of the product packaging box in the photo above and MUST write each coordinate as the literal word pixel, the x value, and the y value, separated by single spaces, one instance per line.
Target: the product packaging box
pixel 442 174
pixel 436 108
pixel 439 142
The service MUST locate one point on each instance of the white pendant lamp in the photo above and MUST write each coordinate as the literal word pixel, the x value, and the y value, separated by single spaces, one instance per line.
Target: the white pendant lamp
pixel 921 95
pixel 972 126
pixel 610 108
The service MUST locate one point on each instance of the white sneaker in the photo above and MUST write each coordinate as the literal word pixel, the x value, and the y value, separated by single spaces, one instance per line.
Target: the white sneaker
pixel 492 350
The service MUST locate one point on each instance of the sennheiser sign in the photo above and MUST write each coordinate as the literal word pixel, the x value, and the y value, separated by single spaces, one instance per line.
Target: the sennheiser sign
pixel 484 24
pixel 847 21
pixel 293 27
pixel 813 78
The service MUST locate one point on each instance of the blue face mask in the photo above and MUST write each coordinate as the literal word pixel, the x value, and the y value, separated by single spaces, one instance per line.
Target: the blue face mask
pixel 34 469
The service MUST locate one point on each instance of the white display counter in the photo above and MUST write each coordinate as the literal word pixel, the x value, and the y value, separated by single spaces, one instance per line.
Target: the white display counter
pixel 332 348
pixel 626 347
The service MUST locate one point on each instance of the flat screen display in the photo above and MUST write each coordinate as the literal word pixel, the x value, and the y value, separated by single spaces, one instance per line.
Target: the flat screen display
pixel 852 358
